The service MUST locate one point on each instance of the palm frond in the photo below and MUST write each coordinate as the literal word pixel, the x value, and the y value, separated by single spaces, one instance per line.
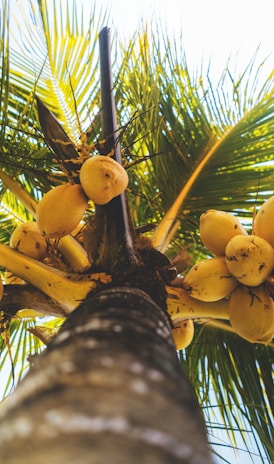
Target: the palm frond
pixel 238 375
pixel 205 138
pixel 60 59
pixel 22 345
pixel 223 159
pixel 4 67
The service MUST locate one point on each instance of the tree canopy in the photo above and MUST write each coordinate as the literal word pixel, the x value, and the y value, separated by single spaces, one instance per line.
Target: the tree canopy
pixel 187 145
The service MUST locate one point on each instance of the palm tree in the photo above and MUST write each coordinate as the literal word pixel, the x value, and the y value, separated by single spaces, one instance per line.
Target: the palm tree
pixel 180 138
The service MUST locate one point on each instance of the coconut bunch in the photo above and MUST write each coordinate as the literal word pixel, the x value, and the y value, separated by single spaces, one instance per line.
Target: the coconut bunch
pixel 62 208
pixel 58 215
pixel 238 271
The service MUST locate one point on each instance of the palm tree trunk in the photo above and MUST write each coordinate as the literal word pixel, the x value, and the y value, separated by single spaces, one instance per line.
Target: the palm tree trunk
pixel 108 389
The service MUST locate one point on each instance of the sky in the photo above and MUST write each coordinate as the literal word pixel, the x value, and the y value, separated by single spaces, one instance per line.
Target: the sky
pixel 211 29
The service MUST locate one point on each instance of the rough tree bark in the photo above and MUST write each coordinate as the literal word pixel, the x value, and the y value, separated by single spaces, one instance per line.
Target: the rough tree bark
pixel 108 389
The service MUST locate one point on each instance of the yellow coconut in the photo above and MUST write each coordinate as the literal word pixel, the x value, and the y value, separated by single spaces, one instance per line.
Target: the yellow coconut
pixel 183 334
pixel 217 228
pixel 27 239
pixel 250 259
pixel 61 209
pixel 209 280
pixel 102 179
pixel 251 314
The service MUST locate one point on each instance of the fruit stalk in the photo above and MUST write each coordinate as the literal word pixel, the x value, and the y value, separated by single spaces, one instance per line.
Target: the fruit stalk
pixel 180 305
pixel 67 289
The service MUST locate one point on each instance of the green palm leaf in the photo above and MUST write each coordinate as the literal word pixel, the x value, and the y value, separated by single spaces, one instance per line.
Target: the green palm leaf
pixel 207 140
pixel 238 375
pixel 60 60
pixel 15 361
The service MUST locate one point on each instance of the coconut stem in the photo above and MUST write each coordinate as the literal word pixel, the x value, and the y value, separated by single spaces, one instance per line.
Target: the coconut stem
pixel 180 306
pixel 66 288
pixel 108 112
pixel 112 237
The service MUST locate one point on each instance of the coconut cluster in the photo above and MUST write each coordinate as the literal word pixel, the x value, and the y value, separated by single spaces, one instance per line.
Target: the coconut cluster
pixel 239 270
pixel 62 208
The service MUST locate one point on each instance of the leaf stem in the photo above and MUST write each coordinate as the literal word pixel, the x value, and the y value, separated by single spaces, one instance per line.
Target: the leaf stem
pixel 166 224
pixel 111 246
